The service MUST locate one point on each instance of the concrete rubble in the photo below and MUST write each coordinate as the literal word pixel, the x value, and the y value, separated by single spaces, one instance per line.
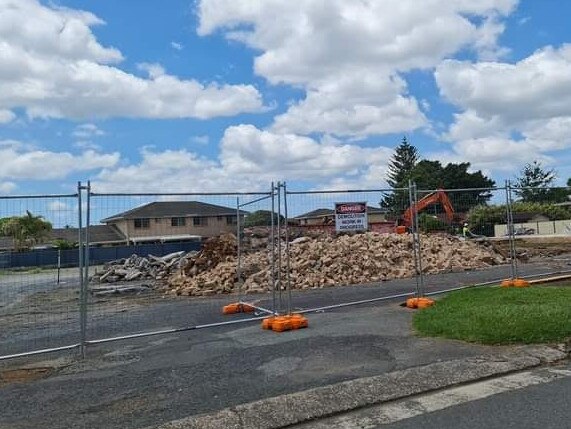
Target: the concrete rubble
pixel 142 268
pixel 319 262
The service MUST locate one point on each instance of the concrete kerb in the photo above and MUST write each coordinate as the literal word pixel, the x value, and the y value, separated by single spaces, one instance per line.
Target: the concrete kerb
pixel 290 409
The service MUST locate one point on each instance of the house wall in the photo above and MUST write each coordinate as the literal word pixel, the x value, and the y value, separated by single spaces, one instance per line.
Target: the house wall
pixel 216 225
pixel 559 227
pixel 372 218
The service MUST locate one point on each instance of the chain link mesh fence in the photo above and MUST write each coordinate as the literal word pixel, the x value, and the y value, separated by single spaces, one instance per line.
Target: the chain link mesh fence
pixel 540 230
pixel 39 273
pixel 153 279
pixel 137 269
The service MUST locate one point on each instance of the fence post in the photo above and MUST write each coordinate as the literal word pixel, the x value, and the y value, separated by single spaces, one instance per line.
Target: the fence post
pixel 288 279
pixel 418 244
pixel 279 249
pixel 273 249
pixel 412 205
pixel 238 249
pixel 82 327
pixel 511 230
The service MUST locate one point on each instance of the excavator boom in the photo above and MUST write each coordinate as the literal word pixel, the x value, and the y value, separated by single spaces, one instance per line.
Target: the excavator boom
pixel 436 197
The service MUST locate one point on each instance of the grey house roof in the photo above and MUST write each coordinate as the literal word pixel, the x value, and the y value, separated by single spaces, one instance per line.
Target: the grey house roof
pixel 164 209
pixel 316 213
pixel 98 234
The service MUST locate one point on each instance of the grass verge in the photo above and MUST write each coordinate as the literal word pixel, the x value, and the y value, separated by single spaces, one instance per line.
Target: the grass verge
pixel 500 316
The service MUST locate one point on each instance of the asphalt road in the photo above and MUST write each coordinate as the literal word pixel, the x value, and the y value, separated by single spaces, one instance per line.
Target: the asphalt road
pixel 36 313
pixel 135 383
pixel 531 399
pixel 545 406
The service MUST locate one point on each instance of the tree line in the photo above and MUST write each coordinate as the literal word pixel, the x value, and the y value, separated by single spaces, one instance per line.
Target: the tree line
pixel 535 184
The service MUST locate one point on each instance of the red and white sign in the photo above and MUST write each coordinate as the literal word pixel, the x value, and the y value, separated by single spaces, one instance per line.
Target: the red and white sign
pixel 351 217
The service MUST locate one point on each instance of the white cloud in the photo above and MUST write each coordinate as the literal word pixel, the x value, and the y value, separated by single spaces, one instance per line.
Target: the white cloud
pixel 347 54
pixel 58 206
pixel 248 150
pixel 249 159
pixel 343 106
pixel 201 140
pixel 154 70
pixel 510 113
pixel 20 162
pixel 6 116
pixel 86 131
pixel 7 187
pixel 53 66
pixel 177 46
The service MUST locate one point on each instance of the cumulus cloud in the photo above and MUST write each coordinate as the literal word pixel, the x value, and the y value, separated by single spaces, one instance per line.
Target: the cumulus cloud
pixel 86 131
pixel 249 159
pixel 509 113
pixel 20 162
pixel 53 66
pixel 347 55
pixel 7 187
pixel 6 116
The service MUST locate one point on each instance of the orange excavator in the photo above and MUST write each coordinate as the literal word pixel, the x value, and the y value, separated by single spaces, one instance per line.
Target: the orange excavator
pixel 439 196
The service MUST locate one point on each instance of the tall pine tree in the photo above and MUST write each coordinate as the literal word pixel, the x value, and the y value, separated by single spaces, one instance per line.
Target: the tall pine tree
pixel 399 172
pixel 402 164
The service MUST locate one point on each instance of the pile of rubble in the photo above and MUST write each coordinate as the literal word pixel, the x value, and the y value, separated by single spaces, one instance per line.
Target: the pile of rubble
pixel 327 261
pixel 140 268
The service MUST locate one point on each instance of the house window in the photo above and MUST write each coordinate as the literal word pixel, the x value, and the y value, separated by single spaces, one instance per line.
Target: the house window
pixel 178 221
pixel 200 221
pixel 231 220
pixel 142 223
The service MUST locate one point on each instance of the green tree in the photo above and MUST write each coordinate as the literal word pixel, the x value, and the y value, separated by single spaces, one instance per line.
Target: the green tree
pixel 401 164
pixel 399 172
pixel 63 244
pixel 474 188
pixel 535 185
pixel 26 230
pixel 261 218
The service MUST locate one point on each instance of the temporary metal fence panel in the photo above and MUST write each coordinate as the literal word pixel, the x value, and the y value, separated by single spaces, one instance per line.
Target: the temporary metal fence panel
pixel 257 259
pixel 541 230
pixel 123 303
pixel 466 221
pixel 332 263
pixel 39 302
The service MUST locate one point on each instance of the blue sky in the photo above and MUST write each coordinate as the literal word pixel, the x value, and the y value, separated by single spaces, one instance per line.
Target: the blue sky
pixel 226 95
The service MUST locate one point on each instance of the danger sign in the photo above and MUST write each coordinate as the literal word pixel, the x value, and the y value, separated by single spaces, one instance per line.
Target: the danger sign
pixel 351 217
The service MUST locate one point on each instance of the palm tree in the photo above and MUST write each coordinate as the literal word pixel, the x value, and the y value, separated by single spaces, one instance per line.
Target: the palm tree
pixel 26 230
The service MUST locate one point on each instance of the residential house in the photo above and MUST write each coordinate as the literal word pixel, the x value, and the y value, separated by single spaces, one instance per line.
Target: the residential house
pixel 327 216
pixel 174 220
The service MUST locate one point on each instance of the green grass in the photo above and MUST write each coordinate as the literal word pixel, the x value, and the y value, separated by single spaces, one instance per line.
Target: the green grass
pixel 500 316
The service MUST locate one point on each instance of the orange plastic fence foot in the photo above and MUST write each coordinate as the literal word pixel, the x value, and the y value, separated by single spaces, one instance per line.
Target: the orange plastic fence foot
pixel 232 308
pixel 298 321
pixel 507 283
pixel 421 302
pixel 424 303
pixel 520 283
pixel 268 322
pixel 246 308
pixel 412 303
pixel 281 324
pixel 237 308
pixel 285 323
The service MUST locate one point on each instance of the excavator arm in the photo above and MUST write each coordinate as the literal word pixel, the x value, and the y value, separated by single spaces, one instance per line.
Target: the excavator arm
pixel 436 197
